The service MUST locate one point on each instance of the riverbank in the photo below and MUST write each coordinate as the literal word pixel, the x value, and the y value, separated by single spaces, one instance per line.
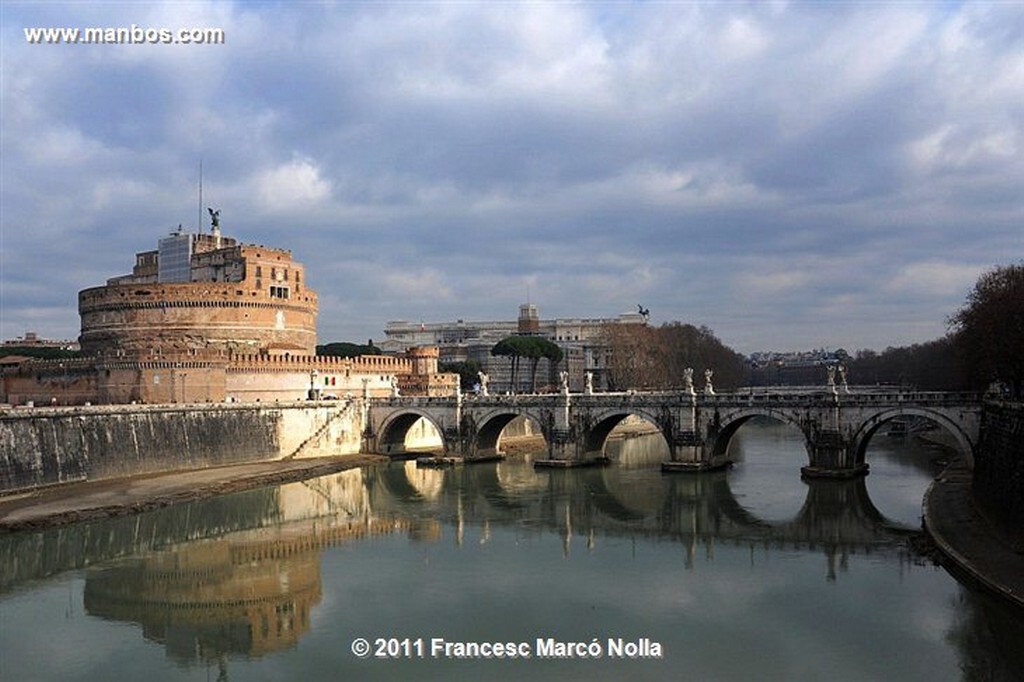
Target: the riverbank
pixel 74 502
pixel 973 548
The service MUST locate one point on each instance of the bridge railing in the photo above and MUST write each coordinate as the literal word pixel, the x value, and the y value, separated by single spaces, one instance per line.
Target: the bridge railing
pixel 791 396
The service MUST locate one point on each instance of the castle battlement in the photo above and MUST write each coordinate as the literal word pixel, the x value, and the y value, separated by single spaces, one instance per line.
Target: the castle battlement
pixel 365 364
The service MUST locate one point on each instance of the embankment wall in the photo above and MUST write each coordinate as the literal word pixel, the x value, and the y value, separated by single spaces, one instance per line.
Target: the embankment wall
pixel 999 467
pixel 48 446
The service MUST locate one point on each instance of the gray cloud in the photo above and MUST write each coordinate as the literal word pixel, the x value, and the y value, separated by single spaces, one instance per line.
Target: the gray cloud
pixel 792 175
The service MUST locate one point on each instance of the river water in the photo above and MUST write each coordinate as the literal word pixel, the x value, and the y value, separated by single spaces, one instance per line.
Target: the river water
pixel 749 574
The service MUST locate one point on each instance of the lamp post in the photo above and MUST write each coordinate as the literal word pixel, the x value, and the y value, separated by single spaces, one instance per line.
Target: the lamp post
pixel 64 384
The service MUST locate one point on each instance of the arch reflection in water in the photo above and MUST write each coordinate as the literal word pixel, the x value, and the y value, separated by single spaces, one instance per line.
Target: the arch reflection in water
pixel 767 456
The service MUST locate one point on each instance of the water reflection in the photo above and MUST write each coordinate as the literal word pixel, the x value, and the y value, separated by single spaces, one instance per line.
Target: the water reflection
pixel 204 601
pixel 244 576
pixel 248 592
pixel 988 638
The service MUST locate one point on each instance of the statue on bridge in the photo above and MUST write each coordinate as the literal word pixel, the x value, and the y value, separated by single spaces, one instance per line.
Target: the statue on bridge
pixel 688 381
pixel 484 380
pixel 843 386
pixel 589 385
pixel 563 377
pixel 395 392
pixel 830 381
pixel 709 389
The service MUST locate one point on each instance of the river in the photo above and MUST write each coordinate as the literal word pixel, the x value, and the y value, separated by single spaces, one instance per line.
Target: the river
pixel 499 571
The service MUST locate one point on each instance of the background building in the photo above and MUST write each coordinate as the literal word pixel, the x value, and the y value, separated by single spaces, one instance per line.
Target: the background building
pixel 582 341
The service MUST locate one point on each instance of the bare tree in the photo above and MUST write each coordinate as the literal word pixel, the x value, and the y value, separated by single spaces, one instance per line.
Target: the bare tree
pixel 989 328
pixel 644 357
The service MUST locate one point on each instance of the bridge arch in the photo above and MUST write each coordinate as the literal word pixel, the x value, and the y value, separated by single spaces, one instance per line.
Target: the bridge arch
pixel 733 420
pixel 395 429
pixel 862 437
pixel 491 424
pixel 605 421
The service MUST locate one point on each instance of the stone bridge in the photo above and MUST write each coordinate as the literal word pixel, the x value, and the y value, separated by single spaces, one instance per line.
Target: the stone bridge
pixel 837 424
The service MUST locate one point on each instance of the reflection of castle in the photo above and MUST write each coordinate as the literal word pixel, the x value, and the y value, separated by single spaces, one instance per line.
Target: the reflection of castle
pixel 248 592
pixel 205 600
pixel 204 318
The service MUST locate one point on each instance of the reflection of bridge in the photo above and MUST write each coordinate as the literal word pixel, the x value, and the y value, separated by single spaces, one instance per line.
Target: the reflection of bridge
pixel 697 428
pixel 836 516
pixel 237 534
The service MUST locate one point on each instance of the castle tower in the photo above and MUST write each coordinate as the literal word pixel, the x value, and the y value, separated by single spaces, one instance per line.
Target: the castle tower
pixel 201 296
pixel 529 320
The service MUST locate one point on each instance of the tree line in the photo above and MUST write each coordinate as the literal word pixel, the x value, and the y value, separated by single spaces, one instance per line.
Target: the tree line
pixel 646 357
pixel 534 349
pixel 984 345
pixel 42 352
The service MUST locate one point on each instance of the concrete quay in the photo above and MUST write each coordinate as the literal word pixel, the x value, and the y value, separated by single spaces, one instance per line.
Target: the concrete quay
pixel 570 463
pixel 440 462
pixel 88 500
pixel 972 547
pixel 695 467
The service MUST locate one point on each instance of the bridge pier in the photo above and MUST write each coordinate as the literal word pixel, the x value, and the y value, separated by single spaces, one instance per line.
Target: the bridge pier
pixel 566 449
pixel 690 455
pixel 831 457
pixel 567 435
pixel 689 452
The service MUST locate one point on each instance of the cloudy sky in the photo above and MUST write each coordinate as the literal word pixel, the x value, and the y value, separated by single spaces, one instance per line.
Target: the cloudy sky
pixel 792 175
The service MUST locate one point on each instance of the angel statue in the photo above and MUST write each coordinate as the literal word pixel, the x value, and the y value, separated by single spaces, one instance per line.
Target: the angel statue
pixel 688 380
pixel 709 389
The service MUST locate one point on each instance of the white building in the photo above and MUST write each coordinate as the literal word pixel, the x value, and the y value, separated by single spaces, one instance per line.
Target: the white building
pixel 581 340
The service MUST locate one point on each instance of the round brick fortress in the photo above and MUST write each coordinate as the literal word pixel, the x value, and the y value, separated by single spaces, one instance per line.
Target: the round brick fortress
pixel 201 319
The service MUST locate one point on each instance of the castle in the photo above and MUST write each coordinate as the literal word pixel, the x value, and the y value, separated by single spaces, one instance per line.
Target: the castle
pixel 204 318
